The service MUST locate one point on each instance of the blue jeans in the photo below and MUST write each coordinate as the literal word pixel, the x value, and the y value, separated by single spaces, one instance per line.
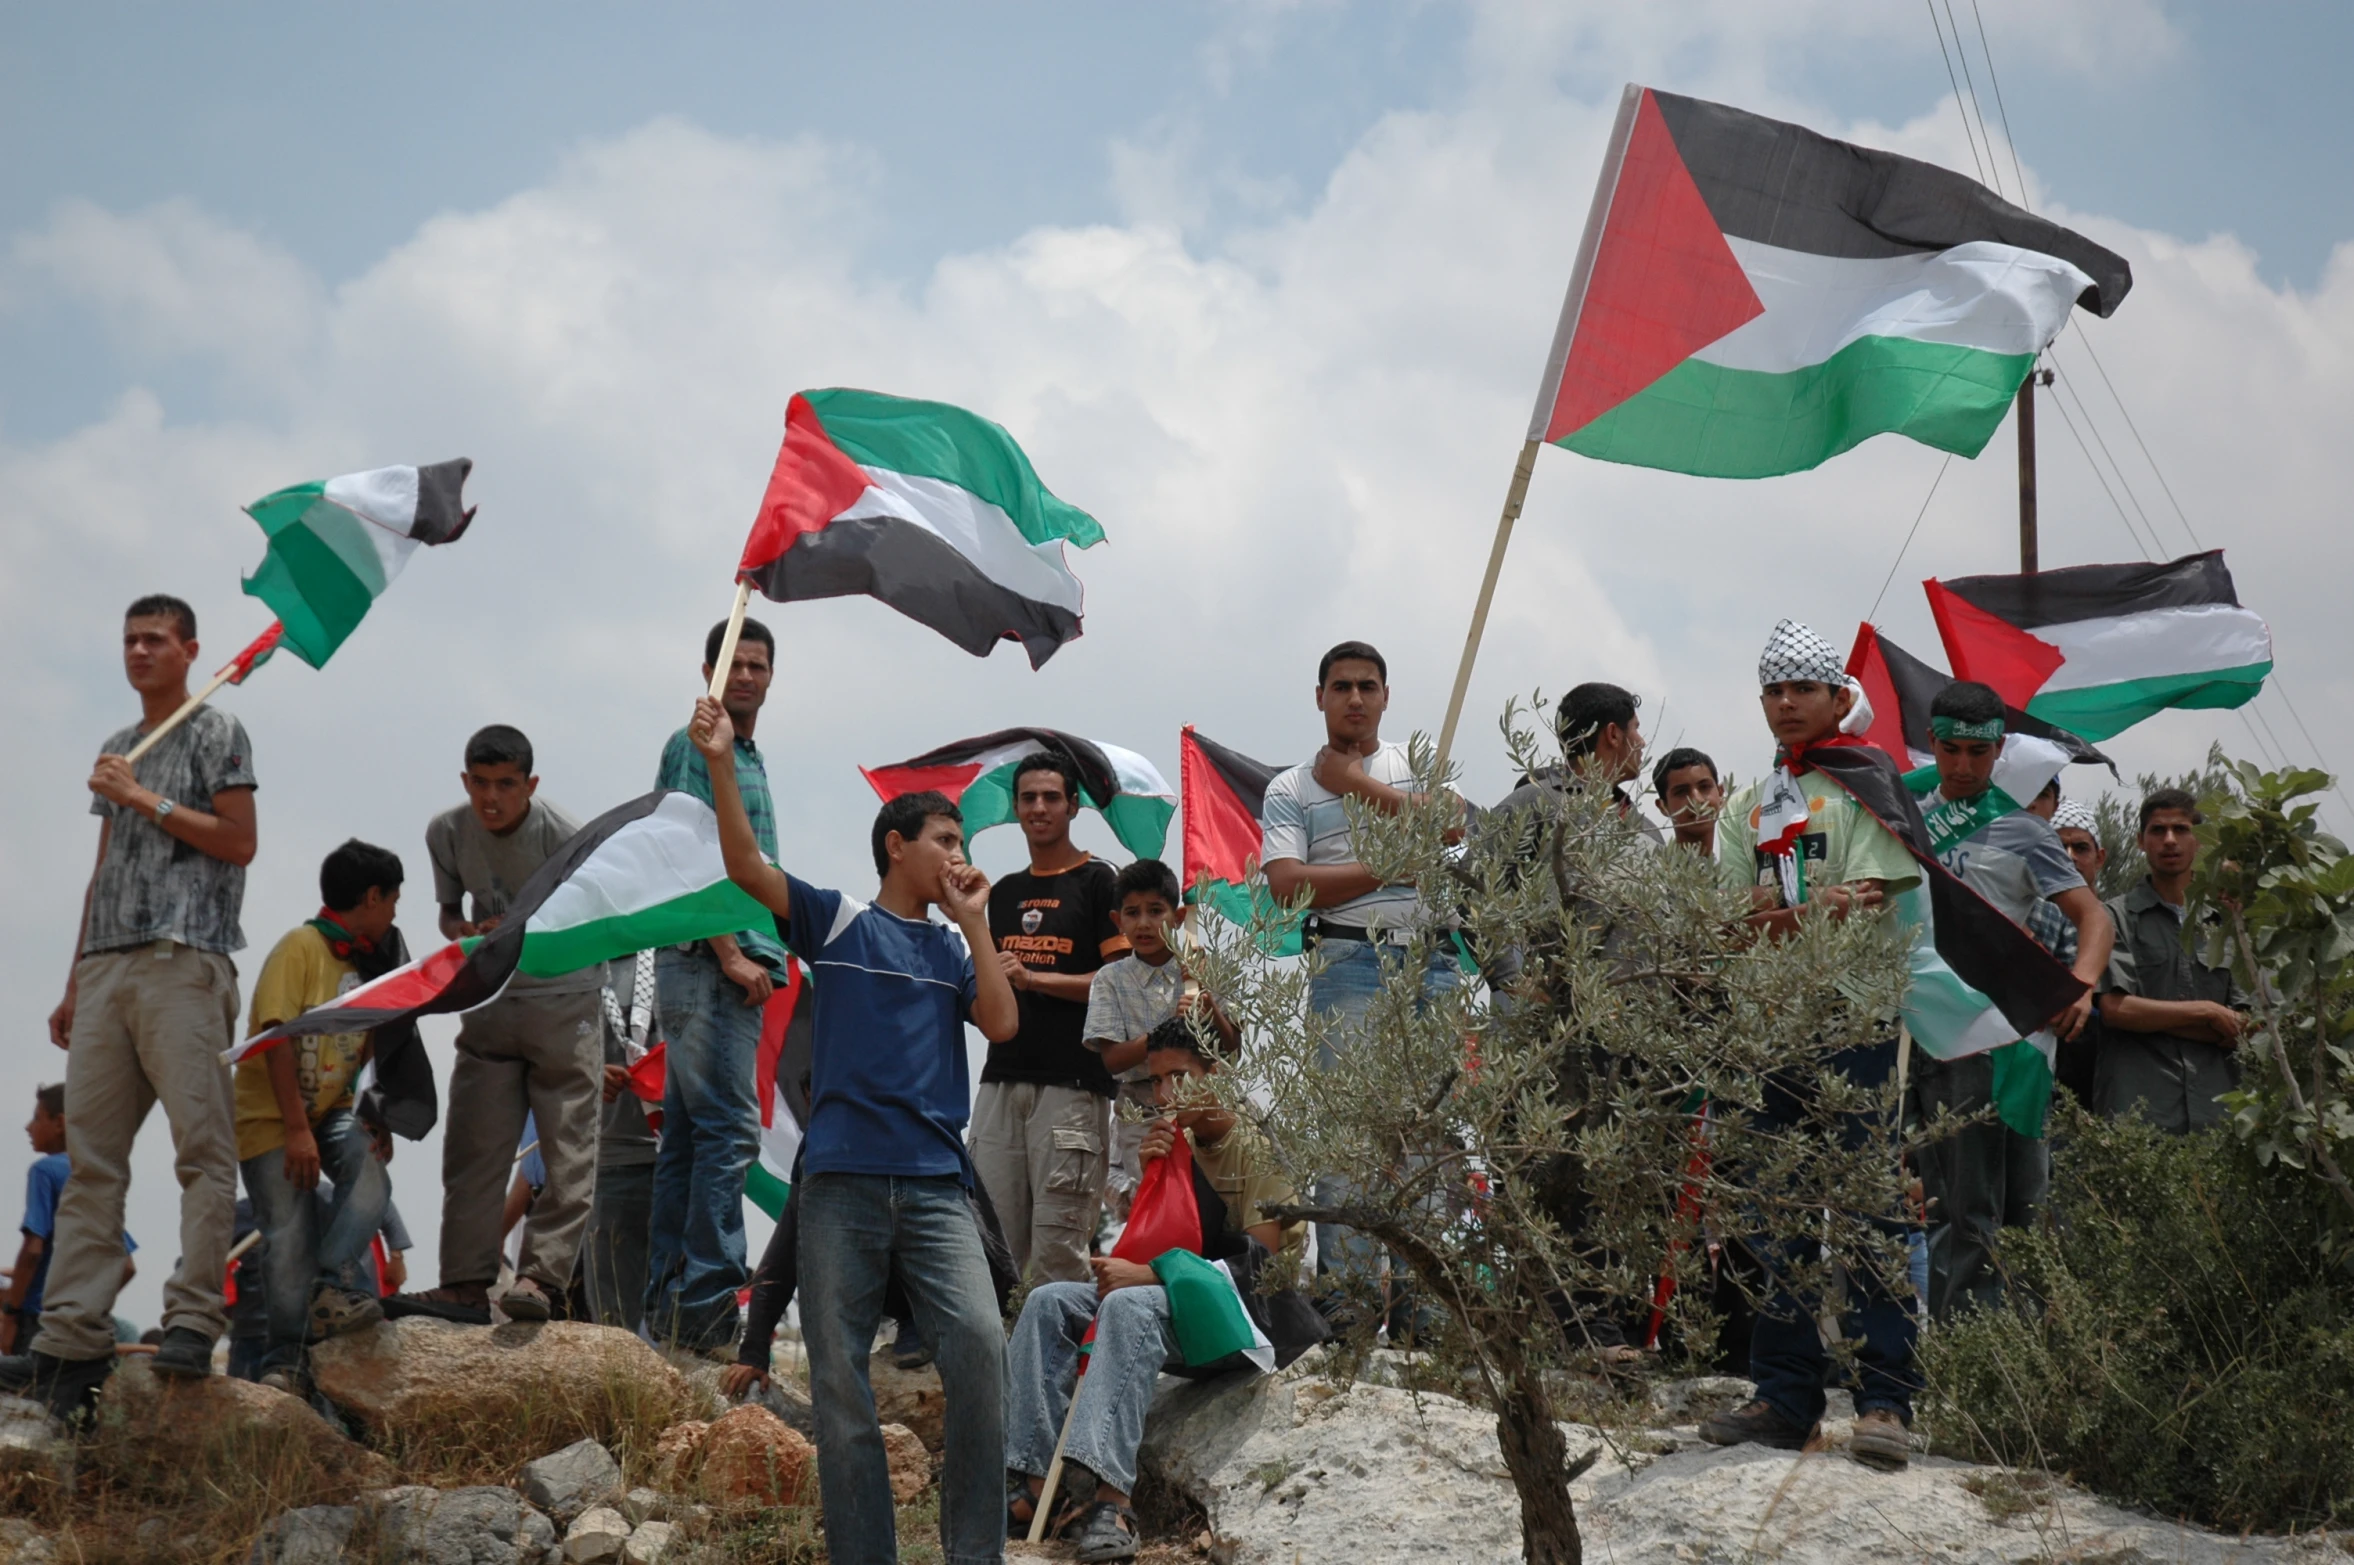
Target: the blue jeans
pixel 1133 1339
pixel 857 1232
pixel 1353 974
pixel 1786 1354
pixel 314 1237
pixel 613 1255
pixel 695 1257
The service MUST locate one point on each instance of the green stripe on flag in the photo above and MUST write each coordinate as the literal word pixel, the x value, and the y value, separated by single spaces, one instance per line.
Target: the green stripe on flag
pixel 2022 1086
pixel 1727 423
pixel 765 1191
pixel 1206 1311
pixel 935 440
pixel 2098 712
pixel 720 906
pixel 1238 905
pixel 1141 822
pixel 321 571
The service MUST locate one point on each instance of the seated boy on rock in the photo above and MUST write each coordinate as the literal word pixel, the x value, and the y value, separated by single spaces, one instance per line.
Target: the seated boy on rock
pixel 1194 1309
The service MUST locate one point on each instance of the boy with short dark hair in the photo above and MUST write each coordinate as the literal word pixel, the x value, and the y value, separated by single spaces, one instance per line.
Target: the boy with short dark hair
pixel 1141 1322
pixel 1134 995
pixel 1042 1116
pixel 2173 1024
pixel 1690 794
pixel 20 1316
pixel 885 1178
pixel 297 1120
pixel 536 1049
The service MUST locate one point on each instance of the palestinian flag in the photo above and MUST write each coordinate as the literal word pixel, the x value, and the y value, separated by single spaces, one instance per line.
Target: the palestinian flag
pixel 2097 648
pixel 1176 1217
pixel 1751 298
pixel 977 774
pixel 1979 981
pixel 644 874
pixel 787 1032
pixel 335 546
pixel 934 510
pixel 1225 800
pixel 1902 688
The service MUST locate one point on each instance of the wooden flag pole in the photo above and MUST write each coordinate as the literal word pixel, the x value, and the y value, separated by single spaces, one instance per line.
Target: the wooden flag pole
pixel 1487 594
pixel 1054 1469
pixel 232 671
pixel 726 660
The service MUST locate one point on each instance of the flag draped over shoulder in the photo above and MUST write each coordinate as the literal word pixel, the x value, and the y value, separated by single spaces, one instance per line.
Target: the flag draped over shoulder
pixel 1752 298
pixel 1225 801
pixel 1901 689
pixel 933 510
pixel 977 775
pixel 336 545
pixel 643 874
pixel 1978 981
pixel 787 1034
pixel 2097 648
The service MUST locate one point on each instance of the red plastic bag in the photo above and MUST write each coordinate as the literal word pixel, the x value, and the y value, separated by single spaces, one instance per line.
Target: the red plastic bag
pixel 1164 1215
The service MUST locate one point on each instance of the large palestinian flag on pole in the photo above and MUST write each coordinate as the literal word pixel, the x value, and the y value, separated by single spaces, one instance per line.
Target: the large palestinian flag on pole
pixel 1902 688
pixel 336 545
pixel 2097 648
pixel 1225 802
pixel 644 874
pixel 1752 298
pixel 787 1034
pixel 933 510
pixel 977 775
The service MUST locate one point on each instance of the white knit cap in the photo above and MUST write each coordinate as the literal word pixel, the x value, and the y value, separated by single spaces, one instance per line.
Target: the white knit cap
pixel 1797 651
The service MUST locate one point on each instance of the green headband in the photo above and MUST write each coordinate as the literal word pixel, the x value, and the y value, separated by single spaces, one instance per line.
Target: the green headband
pixel 1955 728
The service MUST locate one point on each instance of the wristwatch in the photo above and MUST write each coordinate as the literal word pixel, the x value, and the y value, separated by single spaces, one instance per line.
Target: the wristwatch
pixel 163 807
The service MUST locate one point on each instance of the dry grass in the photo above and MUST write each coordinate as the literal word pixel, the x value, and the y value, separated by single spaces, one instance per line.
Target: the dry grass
pixel 477 1439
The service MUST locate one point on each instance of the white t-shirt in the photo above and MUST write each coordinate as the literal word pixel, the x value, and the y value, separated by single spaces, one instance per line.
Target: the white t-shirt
pixel 1307 821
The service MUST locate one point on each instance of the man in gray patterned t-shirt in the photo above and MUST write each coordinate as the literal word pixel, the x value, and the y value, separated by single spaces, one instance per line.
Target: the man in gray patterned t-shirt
pixel 149 1005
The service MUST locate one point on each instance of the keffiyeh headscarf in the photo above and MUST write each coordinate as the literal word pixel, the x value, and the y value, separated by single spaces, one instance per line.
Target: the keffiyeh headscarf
pixel 2071 813
pixel 1798 651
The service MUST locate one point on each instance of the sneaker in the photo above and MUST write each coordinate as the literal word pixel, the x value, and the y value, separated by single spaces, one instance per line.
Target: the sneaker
pixel 909 1350
pixel 335 1311
pixel 1756 1424
pixel 185 1352
pixel 1881 1440
pixel 68 1388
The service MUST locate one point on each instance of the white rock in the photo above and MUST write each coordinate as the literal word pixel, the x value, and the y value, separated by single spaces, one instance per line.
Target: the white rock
pixel 642 1505
pixel 1296 1471
pixel 598 1537
pixel 648 1544
pixel 567 1482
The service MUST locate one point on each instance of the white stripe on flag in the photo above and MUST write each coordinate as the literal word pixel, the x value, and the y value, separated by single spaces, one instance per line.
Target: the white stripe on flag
pixel 975 529
pixel 2198 638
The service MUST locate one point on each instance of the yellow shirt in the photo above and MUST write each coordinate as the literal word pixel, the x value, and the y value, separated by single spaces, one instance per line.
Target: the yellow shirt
pixel 1244 1175
pixel 302 971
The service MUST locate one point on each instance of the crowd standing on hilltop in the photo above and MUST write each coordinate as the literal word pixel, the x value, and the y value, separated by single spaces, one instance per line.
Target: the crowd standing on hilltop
pixel 917 1195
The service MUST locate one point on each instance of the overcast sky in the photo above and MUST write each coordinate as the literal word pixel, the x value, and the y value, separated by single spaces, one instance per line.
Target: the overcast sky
pixel 1265 289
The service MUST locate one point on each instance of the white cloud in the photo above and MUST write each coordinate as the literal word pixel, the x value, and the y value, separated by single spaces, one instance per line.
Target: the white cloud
pixel 1298 435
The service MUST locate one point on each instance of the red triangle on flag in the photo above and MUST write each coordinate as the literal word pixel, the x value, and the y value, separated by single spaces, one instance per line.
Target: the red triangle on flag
pixel 1664 283
pixel 1991 650
pixel 775 1018
pixel 1868 666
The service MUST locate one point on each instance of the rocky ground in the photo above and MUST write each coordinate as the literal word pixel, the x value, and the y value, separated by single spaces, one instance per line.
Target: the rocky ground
pixel 535 1445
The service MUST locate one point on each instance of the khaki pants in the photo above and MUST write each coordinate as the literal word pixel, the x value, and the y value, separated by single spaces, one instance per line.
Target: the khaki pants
pixel 1040 1153
pixel 529 1051
pixel 149 1027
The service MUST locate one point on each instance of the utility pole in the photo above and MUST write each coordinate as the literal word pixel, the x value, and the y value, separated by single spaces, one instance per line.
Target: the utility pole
pixel 2027 542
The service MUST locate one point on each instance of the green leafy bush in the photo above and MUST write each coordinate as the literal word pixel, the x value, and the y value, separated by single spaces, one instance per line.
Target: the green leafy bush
pixel 2194 1346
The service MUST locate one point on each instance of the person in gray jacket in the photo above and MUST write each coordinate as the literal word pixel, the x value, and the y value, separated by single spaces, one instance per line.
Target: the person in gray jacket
pixel 2172 1024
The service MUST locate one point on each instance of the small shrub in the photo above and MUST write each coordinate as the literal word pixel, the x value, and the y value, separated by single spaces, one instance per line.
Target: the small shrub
pixel 2193 1349
pixel 479 1439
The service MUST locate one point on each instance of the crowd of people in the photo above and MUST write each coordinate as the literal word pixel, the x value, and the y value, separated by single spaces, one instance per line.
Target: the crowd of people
pixel 920 1194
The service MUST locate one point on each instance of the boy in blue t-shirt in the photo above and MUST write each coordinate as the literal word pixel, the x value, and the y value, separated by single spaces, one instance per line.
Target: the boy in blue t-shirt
pixel 884 1170
pixel 20 1316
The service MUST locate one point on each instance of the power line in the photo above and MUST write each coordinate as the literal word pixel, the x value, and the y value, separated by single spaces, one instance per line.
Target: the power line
pixel 1993 173
pixel 2102 479
pixel 2155 470
pixel 1938 28
pixel 2114 465
pixel 1908 537
pixel 2001 108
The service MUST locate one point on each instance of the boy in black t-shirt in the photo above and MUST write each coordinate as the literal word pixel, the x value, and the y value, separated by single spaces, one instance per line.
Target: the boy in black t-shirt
pixel 1043 1115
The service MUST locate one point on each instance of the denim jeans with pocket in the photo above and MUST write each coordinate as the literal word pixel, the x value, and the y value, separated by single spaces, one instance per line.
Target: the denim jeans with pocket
pixel 1345 989
pixel 1133 1340
pixel 315 1236
pixel 857 1232
pixel 695 1258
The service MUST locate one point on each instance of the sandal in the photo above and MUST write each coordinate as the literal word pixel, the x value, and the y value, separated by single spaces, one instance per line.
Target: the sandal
pixel 466 1308
pixel 335 1311
pixel 1067 1513
pixel 1106 1532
